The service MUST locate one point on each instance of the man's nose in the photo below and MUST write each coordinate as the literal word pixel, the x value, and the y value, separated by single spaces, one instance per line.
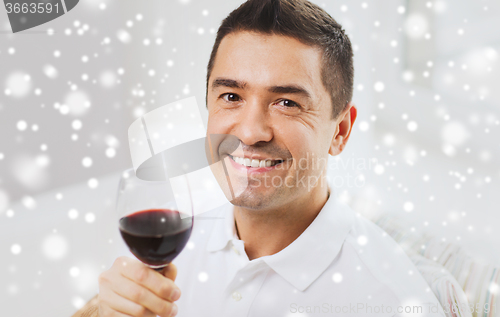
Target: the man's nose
pixel 254 124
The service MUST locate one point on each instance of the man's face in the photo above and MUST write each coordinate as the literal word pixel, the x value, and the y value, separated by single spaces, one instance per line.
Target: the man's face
pixel 266 90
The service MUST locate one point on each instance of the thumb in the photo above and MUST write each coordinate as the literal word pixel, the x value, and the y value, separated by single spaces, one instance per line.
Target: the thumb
pixel 170 271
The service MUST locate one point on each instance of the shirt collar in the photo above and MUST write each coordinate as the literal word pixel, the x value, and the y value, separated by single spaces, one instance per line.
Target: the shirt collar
pixel 223 230
pixel 306 258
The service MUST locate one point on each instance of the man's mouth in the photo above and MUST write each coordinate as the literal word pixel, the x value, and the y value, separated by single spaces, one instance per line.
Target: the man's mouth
pixel 248 162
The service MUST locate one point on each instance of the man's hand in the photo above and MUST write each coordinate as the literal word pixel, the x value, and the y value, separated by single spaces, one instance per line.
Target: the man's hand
pixel 130 288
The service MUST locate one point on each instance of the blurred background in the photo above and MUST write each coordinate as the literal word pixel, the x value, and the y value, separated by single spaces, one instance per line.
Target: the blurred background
pixel 425 145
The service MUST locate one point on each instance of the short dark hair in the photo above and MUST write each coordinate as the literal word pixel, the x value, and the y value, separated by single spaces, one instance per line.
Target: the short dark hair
pixel 307 23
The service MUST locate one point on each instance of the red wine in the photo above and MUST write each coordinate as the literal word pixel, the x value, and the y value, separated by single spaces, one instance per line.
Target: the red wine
pixel 156 236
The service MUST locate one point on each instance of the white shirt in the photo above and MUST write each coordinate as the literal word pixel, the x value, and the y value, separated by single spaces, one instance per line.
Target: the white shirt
pixel 341 265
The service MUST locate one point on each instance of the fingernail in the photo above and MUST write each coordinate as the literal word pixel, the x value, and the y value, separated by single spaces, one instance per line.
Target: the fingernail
pixel 176 293
pixel 174 310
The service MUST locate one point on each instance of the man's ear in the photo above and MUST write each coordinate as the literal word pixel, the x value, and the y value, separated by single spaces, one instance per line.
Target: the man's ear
pixel 343 128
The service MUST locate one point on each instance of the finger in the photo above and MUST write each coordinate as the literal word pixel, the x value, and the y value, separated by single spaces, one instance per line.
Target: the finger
pixel 170 271
pixel 142 296
pixel 125 306
pixel 157 283
pixel 107 311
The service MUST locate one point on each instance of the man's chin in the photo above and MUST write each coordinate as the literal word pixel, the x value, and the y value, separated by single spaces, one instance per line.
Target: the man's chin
pixel 255 198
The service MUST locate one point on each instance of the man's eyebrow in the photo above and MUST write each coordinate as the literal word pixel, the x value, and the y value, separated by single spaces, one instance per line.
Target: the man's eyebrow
pixel 230 83
pixel 290 89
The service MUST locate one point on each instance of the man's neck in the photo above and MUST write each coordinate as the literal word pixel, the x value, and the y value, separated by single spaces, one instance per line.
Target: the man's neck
pixel 269 233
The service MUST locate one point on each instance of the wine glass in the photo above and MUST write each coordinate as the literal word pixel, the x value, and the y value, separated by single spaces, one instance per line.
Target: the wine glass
pixel 153 221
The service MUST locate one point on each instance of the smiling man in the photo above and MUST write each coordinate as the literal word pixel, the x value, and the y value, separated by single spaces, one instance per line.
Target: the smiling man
pixel 267 90
pixel 279 80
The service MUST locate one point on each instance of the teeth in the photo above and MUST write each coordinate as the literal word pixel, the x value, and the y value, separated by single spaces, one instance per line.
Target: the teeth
pixel 248 162
pixel 253 162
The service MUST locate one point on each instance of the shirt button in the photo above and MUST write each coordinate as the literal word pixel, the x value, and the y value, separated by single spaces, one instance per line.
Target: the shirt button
pixel 236 296
pixel 235 250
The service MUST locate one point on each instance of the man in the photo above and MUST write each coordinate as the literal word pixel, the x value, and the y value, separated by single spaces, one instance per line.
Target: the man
pixel 279 79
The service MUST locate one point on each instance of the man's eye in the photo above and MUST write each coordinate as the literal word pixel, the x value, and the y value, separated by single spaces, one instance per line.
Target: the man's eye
pixel 231 97
pixel 288 103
